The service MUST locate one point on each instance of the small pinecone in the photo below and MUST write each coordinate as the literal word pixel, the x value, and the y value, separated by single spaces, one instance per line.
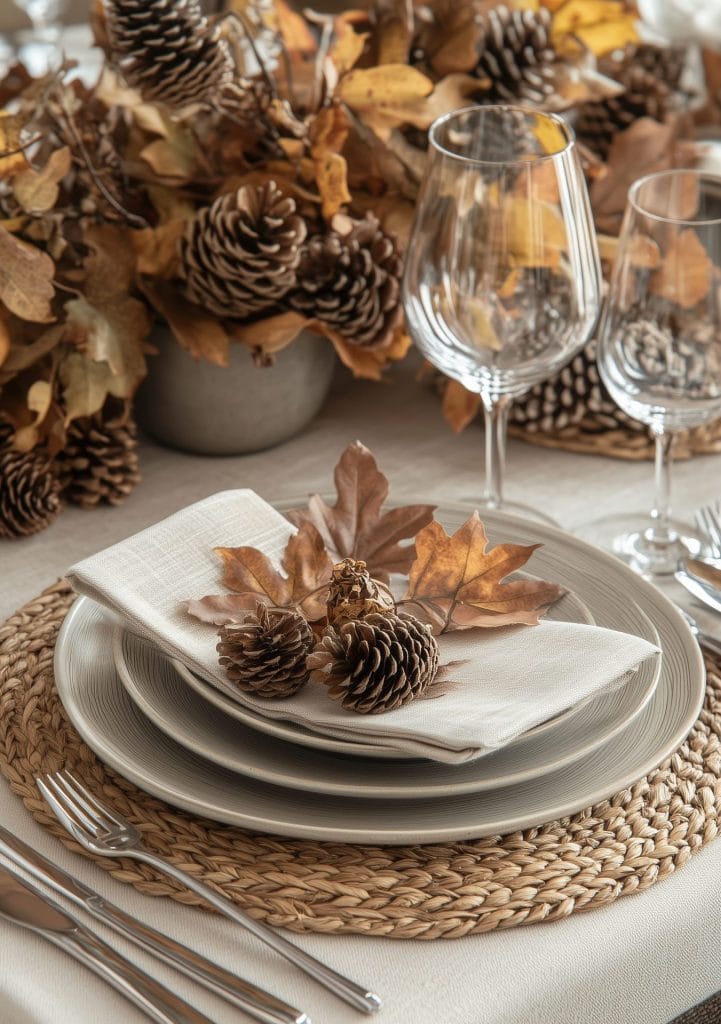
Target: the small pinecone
pixel 29 490
pixel 266 654
pixel 575 394
pixel 376 664
pixel 99 463
pixel 539 314
pixel 352 594
pixel 246 101
pixel 350 279
pixel 666 63
pixel 517 55
pixel 239 256
pixel 167 50
pixel 599 121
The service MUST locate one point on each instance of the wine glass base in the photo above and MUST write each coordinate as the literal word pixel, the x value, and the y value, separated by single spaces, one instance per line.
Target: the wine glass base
pixel 630 538
pixel 515 508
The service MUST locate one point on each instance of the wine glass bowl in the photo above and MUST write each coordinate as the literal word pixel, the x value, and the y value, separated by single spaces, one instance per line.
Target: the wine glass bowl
pixel 502 281
pixel 659 350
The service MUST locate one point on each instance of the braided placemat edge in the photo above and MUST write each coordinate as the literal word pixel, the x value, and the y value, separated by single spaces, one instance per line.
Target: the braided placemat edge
pixel 623 845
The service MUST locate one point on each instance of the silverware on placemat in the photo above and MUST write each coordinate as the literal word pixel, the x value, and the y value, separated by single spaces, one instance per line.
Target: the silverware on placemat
pixel 254 1001
pixel 708 520
pixel 705 640
pixel 23 904
pixel 703 581
pixel 106 833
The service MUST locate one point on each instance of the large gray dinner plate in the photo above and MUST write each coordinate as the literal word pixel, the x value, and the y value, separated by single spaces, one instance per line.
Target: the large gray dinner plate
pixel 113 726
pixel 163 696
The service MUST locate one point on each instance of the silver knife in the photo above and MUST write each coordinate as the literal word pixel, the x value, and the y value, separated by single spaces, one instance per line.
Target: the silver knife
pixel 23 904
pixel 254 1001
pixel 699 589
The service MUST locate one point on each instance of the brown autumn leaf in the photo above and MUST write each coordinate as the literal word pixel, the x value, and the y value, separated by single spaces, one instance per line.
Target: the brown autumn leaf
pixel 365 363
pixel 156 249
pixel 382 95
pixel 113 333
pixel 356 526
pixel 393 30
pixel 459 405
pixel 456 582
pixel 273 333
pixel 14 161
pixel 5 341
pixel 85 384
pixel 347 45
pixel 195 330
pixel 37 191
pixel 26 279
pixel 641 251
pixel 684 277
pixel 306 570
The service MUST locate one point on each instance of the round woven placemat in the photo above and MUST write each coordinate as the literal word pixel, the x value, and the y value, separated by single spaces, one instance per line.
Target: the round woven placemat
pixel 593 437
pixel 622 845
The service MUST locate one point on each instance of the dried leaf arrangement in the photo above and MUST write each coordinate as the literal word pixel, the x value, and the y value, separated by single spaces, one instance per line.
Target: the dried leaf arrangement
pixel 327 613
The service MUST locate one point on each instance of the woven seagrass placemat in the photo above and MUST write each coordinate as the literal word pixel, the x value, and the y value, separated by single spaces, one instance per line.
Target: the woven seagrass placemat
pixel 623 845
pixel 593 437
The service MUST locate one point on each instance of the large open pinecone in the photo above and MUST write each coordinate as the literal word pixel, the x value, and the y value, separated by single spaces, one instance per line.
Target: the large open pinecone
pixel 375 664
pixel 666 63
pixel 599 121
pixel 239 256
pixel 516 55
pixel 29 490
pixel 167 50
pixel 265 655
pixel 99 463
pixel 349 278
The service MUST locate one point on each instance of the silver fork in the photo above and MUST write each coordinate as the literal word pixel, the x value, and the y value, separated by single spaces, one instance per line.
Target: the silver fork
pixel 107 833
pixel 708 520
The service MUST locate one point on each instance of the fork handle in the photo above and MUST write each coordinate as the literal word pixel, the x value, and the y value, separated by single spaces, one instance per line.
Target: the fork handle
pixel 358 996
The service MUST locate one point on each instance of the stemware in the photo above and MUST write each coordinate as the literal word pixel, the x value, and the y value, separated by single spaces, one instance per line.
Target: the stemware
pixel 502 282
pixel 659 347
pixel 42 52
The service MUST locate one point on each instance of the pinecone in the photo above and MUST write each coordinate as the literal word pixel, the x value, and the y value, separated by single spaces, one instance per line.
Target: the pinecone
pixel 29 490
pixel 239 256
pixel 575 394
pixel 667 63
pixel 349 279
pixel 246 101
pixel 517 55
pixel 599 121
pixel 538 314
pixel 266 654
pixel 99 463
pixel 376 664
pixel 352 594
pixel 167 50
pixel 672 354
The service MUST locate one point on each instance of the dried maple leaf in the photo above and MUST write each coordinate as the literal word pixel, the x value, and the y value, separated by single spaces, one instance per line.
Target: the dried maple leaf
pixel 686 271
pixel 251 575
pixel 356 526
pixel 459 406
pixel 456 582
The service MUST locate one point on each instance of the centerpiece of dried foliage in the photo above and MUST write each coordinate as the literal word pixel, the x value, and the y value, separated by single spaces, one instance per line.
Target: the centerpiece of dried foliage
pixel 250 174
pixel 327 613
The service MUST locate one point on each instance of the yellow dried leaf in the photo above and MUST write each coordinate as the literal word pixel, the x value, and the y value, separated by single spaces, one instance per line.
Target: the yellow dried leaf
pixel 11 160
pixel 607 36
pixel 381 95
pixel 173 160
pixel 331 175
pixel 533 233
pixel 686 271
pixel 156 249
pixel 294 30
pixel 641 251
pixel 39 399
pixel 37 191
pixel 86 384
pixel 459 406
pixel 347 46
pixel 26 279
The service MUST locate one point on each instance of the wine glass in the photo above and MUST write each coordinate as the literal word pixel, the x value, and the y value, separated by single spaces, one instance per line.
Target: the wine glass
pixel 659 348
pixel 502 282
pixel 42 53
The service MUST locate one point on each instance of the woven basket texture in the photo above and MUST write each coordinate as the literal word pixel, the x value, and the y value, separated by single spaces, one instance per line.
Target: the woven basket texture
pixel 623 845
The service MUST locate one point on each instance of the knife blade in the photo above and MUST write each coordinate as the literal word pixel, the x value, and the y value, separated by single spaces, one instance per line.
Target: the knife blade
pixel 710 574
pixel 23 904
pixel 256 1002
pixel 699 589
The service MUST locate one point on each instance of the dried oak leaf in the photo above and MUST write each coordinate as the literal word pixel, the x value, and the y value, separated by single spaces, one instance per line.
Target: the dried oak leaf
pixel 356 527
pixel 456 582
pixel 252 577
pixel 37 191
pixel 26 279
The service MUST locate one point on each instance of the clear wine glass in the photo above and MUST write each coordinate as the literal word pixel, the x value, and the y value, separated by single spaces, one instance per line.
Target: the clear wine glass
pixel 42 53
pixel 659 348
pixel 502 283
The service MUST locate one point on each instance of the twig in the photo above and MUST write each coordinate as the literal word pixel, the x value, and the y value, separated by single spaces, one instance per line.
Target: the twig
pixel 326 21
pixel 21 149
pixel 133 219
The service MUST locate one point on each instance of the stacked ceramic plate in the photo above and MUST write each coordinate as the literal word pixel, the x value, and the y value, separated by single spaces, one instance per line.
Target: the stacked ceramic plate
pixel 191 743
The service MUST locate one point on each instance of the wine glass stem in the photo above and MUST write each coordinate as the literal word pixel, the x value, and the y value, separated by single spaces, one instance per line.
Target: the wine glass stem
pixel 660 532
pixel 495 410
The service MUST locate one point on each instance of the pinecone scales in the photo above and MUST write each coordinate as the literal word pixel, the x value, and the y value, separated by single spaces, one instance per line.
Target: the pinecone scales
pixel 240 255
pixel 266 654
pixel 99 464
pixel 349 279
pixel 376 664
pixel 167 50
pixel 29 490
pixel 516 55
pixel 644 95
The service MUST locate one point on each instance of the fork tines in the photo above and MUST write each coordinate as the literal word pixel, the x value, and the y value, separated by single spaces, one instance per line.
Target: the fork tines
pixel 708 519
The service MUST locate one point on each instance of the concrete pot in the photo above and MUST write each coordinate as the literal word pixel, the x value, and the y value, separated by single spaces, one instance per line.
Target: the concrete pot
pixel 213 410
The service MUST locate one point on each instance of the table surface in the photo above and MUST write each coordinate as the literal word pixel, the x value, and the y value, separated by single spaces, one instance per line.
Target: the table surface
pixel 640 961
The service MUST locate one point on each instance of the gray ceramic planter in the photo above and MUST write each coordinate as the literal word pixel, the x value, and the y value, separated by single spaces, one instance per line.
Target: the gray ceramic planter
pixel 197 407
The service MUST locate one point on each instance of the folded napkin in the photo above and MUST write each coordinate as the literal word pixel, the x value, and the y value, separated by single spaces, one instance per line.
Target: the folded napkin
pixel 509 680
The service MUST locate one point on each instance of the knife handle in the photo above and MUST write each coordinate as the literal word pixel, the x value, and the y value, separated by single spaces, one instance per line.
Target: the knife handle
pixel 156 1001
pixel 257 1003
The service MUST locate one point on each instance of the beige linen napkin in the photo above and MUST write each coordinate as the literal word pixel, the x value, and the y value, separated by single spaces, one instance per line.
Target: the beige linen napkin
pixel 509 680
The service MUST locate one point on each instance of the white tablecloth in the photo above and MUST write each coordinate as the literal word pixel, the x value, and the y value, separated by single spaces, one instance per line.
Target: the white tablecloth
pixel 640 961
